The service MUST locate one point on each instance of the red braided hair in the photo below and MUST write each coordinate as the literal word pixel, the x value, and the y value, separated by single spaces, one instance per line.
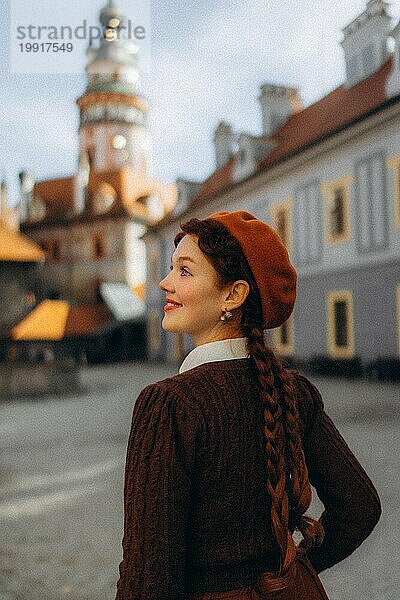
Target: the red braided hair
pixel 287 484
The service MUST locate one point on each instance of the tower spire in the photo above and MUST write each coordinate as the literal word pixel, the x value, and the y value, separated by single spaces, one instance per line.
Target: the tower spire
pixel 111 106
pixel 111 15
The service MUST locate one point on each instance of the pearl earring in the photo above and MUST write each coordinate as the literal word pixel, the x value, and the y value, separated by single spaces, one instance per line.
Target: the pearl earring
pixel 227 316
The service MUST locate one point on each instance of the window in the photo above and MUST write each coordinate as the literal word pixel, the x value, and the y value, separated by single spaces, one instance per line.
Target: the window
pixel 337 214
pixel 337 210
pixel 283 338
pixel 99 246
pixel 340 324
pixel 394 164
pixel 282 221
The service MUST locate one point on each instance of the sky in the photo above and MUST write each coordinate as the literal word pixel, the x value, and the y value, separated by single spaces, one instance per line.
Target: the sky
pixel 204 61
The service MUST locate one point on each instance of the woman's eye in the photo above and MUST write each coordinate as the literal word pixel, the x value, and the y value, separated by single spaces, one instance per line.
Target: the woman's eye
pixel 183 269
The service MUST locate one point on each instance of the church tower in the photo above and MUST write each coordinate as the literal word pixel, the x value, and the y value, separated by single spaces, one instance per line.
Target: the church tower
pixel 113 129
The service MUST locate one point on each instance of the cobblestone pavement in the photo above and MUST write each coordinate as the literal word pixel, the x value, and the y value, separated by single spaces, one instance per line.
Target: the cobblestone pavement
pixel 61 481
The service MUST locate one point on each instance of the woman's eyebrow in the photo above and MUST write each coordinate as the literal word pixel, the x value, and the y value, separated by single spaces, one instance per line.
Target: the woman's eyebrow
pixel 184 258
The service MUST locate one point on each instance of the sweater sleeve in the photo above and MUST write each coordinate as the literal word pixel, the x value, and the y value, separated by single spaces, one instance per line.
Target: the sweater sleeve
pixel 159 462
pixel 351 503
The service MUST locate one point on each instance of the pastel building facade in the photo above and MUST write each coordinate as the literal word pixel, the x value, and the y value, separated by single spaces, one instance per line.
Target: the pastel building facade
pixel 327 177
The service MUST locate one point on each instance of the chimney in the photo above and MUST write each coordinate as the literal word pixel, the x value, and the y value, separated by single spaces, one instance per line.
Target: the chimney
pixel 26 194
pixel 393 81
pixel 223 141
pixel 365 42
pixel 278 103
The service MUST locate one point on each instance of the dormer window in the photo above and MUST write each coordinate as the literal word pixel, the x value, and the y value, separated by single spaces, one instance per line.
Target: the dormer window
pixel 365 42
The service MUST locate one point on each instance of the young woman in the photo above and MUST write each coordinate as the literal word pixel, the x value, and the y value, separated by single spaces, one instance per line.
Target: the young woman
pixel 221 456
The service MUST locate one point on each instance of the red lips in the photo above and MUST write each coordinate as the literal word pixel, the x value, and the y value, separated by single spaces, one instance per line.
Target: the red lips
pixel 172 302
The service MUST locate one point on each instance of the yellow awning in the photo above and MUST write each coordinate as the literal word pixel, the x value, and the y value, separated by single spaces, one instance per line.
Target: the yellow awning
pixel 15 246
pixel 47 321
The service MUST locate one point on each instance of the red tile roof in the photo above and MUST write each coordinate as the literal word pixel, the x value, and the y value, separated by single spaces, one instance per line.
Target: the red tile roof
pixel 130 187
pixel 58 195
pixel 338 109
pixel 219 181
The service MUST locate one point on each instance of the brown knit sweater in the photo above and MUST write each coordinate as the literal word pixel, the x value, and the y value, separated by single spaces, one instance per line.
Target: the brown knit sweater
pixel 196 505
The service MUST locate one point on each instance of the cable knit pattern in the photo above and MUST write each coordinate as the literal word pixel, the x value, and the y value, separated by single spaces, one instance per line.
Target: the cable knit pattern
pixel 196 505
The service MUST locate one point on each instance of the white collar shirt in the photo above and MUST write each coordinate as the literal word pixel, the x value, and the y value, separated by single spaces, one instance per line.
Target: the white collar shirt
pixel 228 349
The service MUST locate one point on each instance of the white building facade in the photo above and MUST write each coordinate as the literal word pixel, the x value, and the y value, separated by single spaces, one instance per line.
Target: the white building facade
pixel 327 177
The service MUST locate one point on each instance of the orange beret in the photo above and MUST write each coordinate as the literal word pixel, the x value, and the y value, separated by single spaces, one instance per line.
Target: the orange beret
pixel 269 262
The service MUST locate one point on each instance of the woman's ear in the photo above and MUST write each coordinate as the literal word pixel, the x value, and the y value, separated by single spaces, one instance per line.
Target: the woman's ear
pixel 237 294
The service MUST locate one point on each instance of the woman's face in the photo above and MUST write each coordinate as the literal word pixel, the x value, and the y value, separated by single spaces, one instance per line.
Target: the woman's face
pixel 192 282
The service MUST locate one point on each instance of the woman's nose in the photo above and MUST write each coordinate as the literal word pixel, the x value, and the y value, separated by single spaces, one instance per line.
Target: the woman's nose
pixel 163 283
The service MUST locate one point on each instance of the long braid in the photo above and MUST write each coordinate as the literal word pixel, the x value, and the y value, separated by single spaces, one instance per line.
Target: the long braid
pixel 275 451
pixel 287 483
pixel 311 530
pixel 273 377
